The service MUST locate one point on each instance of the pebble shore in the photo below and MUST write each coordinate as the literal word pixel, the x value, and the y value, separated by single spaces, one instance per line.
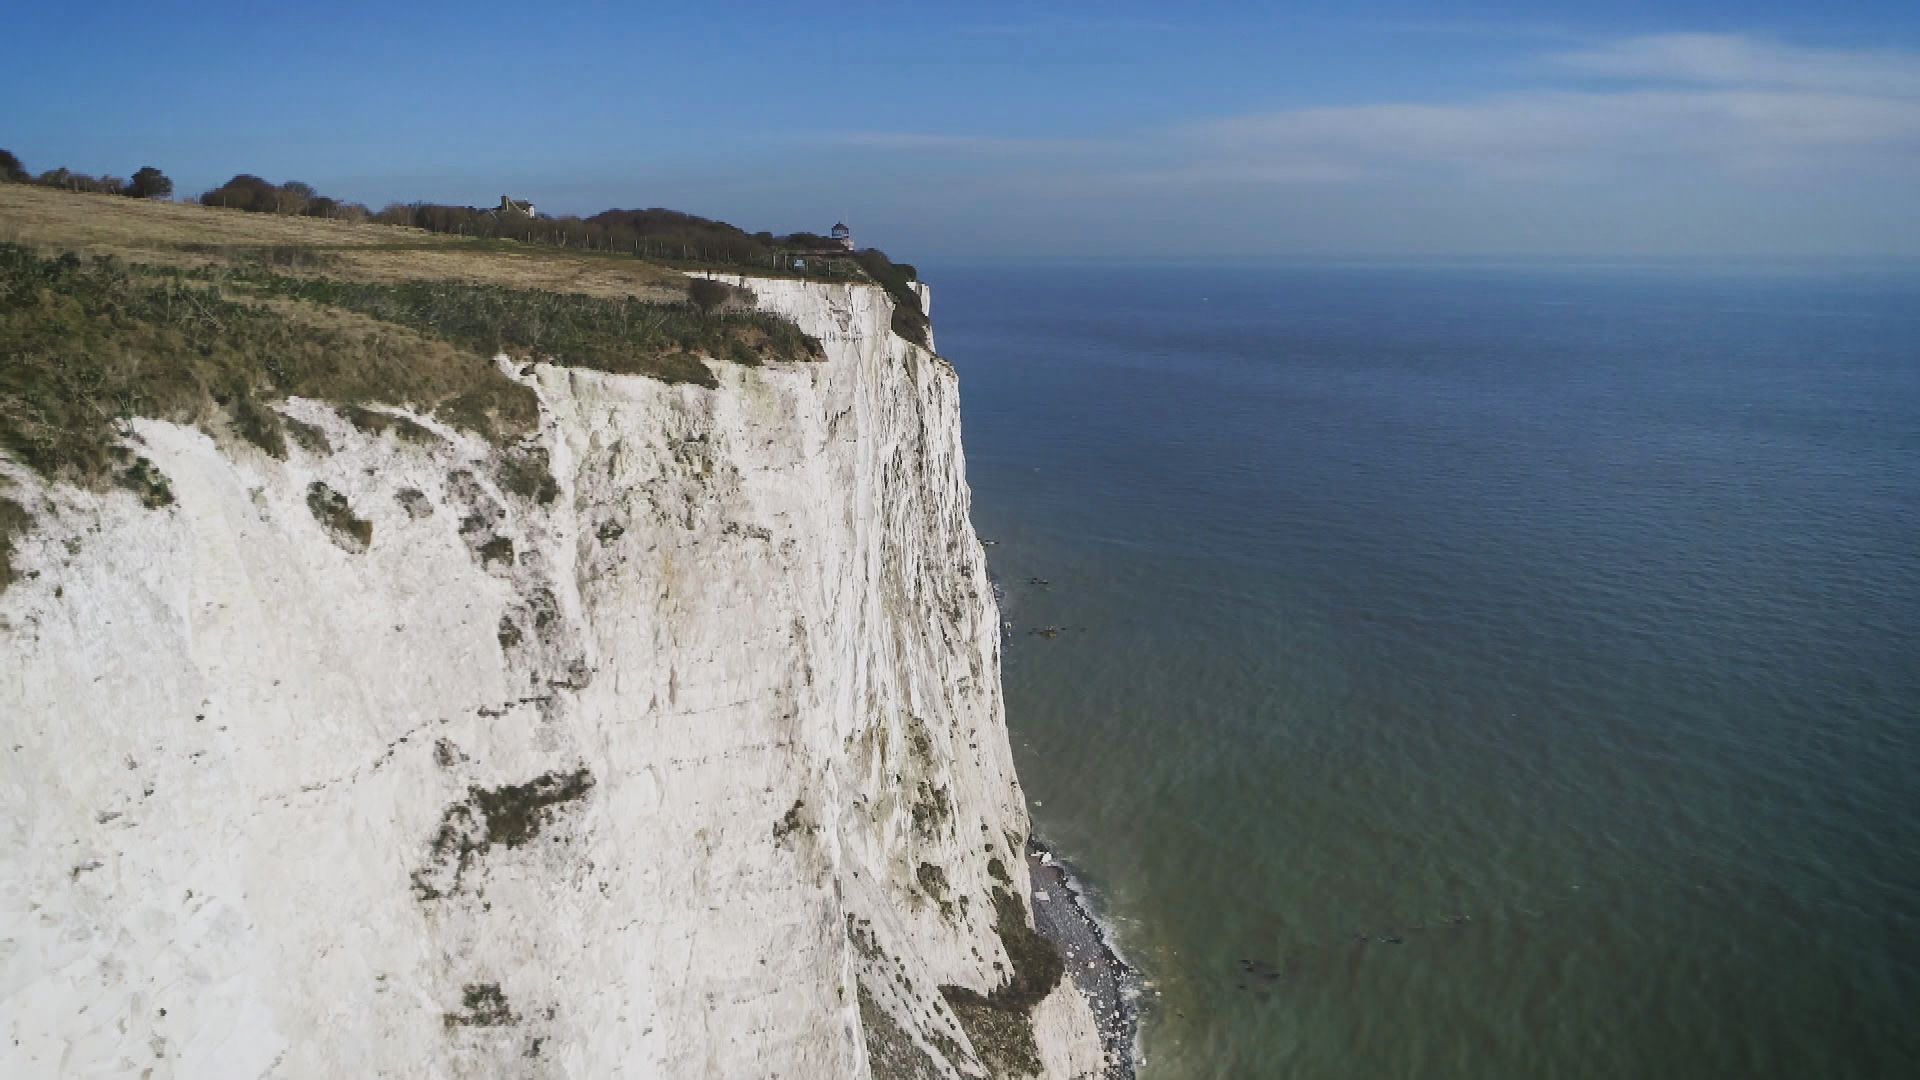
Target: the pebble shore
pixel 1109 985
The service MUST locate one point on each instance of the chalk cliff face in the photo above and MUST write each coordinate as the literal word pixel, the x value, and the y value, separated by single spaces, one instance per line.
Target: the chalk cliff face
pixel 669 743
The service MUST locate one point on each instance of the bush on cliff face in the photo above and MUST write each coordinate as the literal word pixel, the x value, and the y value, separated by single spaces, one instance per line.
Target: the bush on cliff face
pixel 332 510
pixel 13 522
pixel 1000 1024
pixel 909 321
pixel 705 294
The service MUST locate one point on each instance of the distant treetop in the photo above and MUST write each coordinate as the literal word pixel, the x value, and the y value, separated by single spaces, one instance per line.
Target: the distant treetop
pixel 149 183
pixel 293 198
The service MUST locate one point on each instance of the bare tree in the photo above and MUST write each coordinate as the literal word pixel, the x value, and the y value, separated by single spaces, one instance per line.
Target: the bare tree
pixel 292 197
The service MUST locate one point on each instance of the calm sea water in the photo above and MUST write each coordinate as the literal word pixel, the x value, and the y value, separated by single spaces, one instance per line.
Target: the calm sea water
pixel 1470 671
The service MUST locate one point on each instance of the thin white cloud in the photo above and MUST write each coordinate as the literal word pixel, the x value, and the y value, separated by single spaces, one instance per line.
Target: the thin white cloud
pixel 1684 107
pixel 1737 60
pixel 962 144
pixel 1486 29
pixel 1558 132
pixel 1053 27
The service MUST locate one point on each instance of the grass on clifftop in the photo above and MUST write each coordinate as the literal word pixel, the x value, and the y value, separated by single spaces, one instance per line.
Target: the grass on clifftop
pixel 624 336
pixel 201 238
pixel 87 344
pixel 197 238
pixel 115 308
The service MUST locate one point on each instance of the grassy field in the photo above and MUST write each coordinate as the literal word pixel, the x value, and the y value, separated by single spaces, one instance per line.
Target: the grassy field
pixel 198 237
pixel 113 308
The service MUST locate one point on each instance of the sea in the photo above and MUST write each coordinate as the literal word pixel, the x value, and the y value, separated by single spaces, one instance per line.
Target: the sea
pixel 1469 669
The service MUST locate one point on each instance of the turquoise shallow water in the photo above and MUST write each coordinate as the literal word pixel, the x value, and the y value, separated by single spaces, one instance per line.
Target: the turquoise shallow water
pixel 1470 671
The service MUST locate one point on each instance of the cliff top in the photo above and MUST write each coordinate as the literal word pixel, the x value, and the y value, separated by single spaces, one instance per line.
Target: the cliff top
pixel 113 307
pixel 199 238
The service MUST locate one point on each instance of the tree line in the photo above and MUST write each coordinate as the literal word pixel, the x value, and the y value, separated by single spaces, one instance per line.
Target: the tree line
pixel 654 233
pixel 293 199
pixel 146 183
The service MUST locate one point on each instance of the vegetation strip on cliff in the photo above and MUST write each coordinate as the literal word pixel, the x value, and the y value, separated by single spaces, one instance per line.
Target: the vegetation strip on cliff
pixel 91 343
pixel 1000 1024
pixel 619 240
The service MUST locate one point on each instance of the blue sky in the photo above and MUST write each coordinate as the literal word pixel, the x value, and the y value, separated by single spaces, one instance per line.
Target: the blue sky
pixel 944 130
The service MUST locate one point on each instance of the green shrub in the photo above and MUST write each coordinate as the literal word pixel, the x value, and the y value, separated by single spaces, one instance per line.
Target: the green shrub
pixel 14 521
pixel 404 428
pixel 909 320
pixel 149 183
pixel 332 510
pixel 1000 1025
pixel 257 423
pixel 624 336
pixel 484 1005
pixel 139 476
pixel 527 471
pixel 707 294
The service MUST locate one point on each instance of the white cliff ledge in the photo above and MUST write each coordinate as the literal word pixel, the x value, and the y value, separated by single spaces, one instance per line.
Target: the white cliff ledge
pixel 697 768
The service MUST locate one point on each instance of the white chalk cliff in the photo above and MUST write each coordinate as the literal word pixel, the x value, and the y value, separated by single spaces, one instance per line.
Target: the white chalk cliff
pixel 693 765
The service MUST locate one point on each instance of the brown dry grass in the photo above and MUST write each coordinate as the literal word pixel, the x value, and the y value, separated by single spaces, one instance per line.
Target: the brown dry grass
pixel 198 237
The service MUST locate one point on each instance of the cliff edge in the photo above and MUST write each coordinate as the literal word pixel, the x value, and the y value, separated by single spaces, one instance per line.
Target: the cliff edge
pixel 666 742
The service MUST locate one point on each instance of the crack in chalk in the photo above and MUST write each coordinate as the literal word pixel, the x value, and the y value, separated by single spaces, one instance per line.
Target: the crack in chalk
pixel 494 712
pixel 379 760
pixel 729 705
pixel 393 747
